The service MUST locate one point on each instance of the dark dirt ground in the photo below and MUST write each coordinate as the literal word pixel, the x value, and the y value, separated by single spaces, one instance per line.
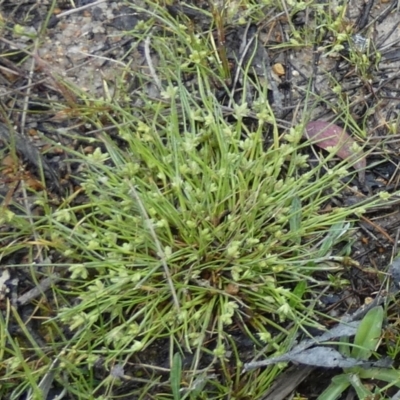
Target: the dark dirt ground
pixel 76 46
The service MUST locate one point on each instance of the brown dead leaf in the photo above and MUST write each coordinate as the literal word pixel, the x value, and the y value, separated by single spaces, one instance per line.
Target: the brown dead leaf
pixel 330 136
pixel 88 150
pixel 33 183
pixel 232 289
pixel 9 162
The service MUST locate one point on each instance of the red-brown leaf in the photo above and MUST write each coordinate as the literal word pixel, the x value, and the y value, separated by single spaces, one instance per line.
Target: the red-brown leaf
pixel 325 135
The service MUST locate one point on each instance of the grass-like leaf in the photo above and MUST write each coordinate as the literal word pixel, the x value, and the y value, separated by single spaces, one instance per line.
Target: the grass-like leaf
pixel 368 334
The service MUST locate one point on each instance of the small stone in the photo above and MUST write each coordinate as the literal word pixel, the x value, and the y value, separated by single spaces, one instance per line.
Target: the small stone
pixel 279 69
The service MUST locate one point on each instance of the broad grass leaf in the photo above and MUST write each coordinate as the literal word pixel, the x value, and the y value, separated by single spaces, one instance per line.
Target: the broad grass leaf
pixel 368 334
pixel 327 136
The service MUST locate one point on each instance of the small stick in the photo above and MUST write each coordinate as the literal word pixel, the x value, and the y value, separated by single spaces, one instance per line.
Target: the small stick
pixel 44 285
pixel 65 13
pixel 25 103
pixel 378 228
pixel 244 48
pixel 150 63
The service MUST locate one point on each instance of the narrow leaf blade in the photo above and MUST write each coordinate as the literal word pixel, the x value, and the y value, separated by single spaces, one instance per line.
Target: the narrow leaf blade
pixel 176 374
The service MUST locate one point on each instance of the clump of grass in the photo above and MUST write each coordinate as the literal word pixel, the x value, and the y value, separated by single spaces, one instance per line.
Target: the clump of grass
pixel 201 226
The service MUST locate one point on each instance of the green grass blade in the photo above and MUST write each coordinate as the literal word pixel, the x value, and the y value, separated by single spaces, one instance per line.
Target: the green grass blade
pixel 295 219
pixel 368 334
pixel 391 376
pixel 176 374
pixel 339 384
pixel 358 386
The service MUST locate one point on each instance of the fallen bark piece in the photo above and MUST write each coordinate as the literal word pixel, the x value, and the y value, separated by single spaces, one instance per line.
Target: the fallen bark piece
pixel 327 136
pixel 288 382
